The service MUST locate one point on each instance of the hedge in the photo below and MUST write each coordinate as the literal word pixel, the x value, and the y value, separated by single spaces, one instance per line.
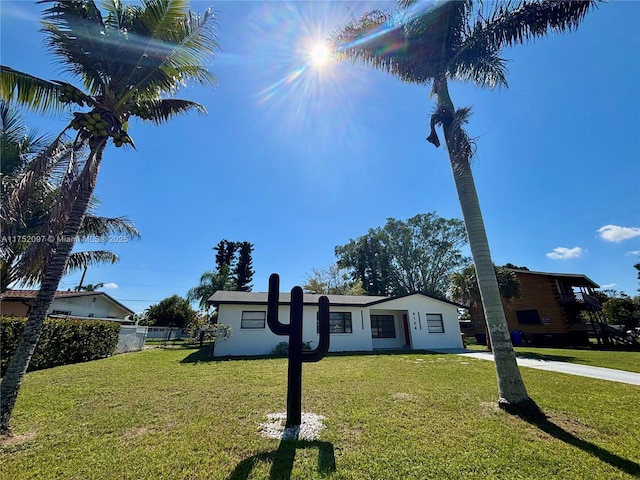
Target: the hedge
pixel 62 341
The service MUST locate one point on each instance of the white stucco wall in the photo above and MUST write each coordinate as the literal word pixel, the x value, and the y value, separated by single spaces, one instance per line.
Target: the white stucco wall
pixel 262 341
pixel 89 306
pixel 417 306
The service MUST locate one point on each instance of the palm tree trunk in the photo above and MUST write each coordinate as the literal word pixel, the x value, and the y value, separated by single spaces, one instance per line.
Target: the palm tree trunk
pixel 54 272
pixel 512 391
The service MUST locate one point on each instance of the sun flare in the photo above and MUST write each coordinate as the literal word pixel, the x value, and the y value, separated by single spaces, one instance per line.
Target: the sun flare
pixel 320 55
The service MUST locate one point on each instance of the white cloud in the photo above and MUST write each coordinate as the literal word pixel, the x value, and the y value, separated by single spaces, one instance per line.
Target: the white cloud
pixel 608 285
pixel 563 253
pixel 110 285
pixel 615 233
pixel 633 252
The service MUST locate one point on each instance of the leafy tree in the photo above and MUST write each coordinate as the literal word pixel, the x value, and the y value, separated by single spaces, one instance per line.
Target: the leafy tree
pixel 20 147
pixel 369 261
pixel 332 281
pixel 129 63
pixel 406 257
pixel 622 310
pixel 243 270
pixel 461 40
pixel 173 311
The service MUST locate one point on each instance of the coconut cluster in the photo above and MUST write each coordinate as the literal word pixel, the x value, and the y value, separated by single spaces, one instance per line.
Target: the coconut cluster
pixel 71 95
pixel 140 111
pixel 101 124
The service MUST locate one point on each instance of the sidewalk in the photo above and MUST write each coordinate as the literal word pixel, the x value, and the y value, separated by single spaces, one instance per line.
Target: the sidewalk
pixel 562 367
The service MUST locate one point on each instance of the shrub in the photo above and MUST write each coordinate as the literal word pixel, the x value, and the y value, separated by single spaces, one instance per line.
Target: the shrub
pixel 282 349
pixel 62 341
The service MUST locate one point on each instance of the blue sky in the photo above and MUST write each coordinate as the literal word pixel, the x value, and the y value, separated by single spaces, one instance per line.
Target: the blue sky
pixel 297 160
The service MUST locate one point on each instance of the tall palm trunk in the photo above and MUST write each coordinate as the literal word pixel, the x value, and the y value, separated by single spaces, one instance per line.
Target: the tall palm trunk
pixel 511 388
pixel 19 363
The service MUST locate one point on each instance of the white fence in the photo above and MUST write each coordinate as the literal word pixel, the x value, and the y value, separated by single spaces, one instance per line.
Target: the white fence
pixel 131 338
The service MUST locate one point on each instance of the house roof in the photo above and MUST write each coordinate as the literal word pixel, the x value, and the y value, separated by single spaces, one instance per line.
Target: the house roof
pixel 25 295
pixel 576 279
pixel 260 298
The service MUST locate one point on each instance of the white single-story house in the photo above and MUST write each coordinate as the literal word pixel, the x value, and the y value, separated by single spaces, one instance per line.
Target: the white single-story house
pixel 84 305
pixel 357 323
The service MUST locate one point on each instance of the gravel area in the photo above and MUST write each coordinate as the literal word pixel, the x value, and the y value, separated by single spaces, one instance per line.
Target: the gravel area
pixel 309 430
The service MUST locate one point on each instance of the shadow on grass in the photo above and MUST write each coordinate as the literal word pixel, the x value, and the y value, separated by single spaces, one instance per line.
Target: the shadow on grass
pixel 202 355
pixel 282 460
pixel 543 423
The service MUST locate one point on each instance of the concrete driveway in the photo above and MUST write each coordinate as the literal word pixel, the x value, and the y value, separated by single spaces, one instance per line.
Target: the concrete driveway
pixel 562 367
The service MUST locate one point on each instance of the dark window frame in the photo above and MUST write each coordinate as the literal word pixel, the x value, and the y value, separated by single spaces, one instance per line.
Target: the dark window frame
pixel 434 325
pixel 242 320
pixel 378 330
pixel 335 320
pixel 528 317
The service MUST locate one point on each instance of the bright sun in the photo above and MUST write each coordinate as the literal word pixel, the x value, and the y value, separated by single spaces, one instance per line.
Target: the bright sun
pixel 320 55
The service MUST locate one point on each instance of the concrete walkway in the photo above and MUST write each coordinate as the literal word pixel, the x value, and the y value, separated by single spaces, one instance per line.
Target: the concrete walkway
pixel 562 367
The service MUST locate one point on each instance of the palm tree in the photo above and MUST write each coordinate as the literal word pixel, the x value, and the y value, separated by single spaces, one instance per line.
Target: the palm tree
pixel 90 287
pixel 19 147
pixel 461 40
pixel 463 285
pixel 210 282
pixel 128 62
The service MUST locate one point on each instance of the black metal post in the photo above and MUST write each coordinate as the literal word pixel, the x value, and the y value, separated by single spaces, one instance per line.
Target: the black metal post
pixel 294 331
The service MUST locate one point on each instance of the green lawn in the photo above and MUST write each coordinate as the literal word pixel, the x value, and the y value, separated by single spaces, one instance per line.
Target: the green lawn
pixel 166 413
pixel 620 360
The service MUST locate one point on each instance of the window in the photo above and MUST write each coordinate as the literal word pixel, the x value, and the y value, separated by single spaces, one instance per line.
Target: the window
pixel 383 326
pixel 339 322
pixel 528 317
pixel 434 323
pixel 253 320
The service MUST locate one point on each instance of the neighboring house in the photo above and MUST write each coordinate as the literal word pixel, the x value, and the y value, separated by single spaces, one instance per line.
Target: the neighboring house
pixel 554 309
pixel 86 305
pixel 358 323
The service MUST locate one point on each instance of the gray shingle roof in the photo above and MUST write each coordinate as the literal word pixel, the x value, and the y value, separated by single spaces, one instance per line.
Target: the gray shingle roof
pixel 225 297
pixel 260 298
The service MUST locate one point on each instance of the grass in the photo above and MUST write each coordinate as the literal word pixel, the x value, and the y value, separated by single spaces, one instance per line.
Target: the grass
pixel 169 413
pixel 621 360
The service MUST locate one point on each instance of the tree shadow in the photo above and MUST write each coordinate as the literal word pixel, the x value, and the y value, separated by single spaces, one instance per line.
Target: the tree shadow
pixel 543 423
pixel 546 356
pixel 282 460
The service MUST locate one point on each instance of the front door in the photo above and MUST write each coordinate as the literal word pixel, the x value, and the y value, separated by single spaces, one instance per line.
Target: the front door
pixel 407 337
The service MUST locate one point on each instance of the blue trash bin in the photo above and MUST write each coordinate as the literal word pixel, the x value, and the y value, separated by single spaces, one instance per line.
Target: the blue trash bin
pixel 516 338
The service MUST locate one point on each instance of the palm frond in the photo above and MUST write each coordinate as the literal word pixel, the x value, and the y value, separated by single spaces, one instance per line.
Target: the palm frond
pixel 462 147
pixel 32 92
pixel 174 52
pixel 507 25
pixel 484 68
pixel 104 226
pixel 17 197
pixel 415 44
pixel 76 34
pixel 164 110
pixel 90 258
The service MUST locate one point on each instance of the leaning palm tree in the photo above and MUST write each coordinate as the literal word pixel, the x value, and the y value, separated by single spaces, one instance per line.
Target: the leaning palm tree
pixel 427 43
pixel 129 63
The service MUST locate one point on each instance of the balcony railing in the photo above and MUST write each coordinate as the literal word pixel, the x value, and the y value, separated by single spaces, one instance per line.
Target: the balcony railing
pixel 580 299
